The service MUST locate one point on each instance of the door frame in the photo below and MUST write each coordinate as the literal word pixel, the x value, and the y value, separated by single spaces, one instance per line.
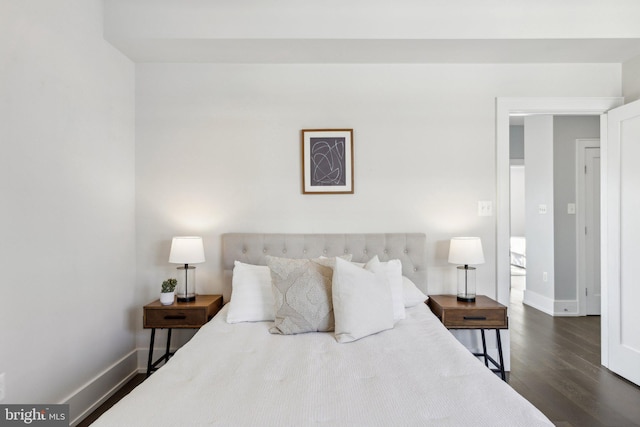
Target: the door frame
pixel 581 219
pixel 506 107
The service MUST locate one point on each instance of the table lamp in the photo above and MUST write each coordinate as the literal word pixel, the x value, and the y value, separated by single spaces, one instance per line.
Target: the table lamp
pixel 466 251
pixel 186 250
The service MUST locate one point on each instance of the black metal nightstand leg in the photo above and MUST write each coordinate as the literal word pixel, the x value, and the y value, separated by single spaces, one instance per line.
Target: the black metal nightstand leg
pixel 151 365
pixel 166 353
pixel 502 374
pixel 484 348
pixel 497 366
pixel 150 360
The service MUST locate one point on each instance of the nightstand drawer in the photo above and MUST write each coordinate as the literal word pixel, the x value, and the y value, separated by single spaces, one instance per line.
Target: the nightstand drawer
pixel 174 318
pixel 470 319
pixel 483 313
pixel 189 315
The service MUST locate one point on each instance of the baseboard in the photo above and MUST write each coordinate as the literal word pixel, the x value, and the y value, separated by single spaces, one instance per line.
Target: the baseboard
pixel 550 306
pixel 94 393
pixel 539 302
pixel 565 308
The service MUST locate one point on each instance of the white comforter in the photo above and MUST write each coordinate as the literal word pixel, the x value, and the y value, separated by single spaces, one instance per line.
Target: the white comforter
pixel 241 375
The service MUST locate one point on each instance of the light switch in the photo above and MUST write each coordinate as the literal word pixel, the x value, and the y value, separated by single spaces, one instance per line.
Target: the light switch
pixel 485 208
pixel 571 208
pixel 542 209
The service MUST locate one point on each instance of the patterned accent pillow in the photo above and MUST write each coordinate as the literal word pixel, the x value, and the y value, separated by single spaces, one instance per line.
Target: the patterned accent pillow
pixel 302 293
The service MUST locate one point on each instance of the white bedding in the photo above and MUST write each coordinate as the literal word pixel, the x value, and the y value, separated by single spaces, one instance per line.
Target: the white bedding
pixel 241 375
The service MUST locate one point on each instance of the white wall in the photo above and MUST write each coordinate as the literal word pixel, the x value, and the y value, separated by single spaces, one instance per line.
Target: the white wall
pixel 67 217
pixel 631 80
pixel 218 150
pixel 538 147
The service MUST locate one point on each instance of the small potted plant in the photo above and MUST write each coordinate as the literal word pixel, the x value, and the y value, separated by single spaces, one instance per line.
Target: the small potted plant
pixel 167 294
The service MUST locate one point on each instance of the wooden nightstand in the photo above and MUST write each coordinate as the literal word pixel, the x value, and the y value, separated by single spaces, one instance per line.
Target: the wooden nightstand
pixel 179 315
pixel 482 314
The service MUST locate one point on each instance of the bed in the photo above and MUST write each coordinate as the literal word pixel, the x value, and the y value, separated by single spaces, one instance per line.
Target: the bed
pixel 243 374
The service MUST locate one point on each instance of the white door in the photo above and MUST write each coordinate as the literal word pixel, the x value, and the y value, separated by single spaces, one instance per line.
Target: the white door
pixel 592 230
pixel 621 237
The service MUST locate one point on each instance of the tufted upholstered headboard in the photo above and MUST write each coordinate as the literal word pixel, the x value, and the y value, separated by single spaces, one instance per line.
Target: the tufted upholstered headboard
pixel 251 248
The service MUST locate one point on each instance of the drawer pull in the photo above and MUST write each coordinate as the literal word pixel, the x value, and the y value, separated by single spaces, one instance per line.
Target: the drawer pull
pixel 475 318
pixel 175 317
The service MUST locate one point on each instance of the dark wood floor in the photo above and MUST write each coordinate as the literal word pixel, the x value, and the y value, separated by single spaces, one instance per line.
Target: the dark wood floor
pixel 133 383
pixel 555 364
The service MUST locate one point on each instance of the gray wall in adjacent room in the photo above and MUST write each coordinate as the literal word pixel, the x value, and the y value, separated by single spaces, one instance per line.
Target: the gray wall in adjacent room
pixel 566 129
pixel 516 142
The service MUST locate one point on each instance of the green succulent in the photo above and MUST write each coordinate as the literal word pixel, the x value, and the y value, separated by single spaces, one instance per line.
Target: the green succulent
pixel 169 285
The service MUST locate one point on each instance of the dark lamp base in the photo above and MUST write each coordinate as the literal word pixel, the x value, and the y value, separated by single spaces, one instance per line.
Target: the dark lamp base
pixel 463 299
pixel 187 299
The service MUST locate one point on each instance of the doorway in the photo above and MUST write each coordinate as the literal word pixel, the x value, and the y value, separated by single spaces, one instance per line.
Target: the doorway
pixel 506 107
pixel 546 245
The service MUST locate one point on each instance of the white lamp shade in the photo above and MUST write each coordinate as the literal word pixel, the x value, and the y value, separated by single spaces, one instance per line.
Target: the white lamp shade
pixel 466 251
pixel 186 250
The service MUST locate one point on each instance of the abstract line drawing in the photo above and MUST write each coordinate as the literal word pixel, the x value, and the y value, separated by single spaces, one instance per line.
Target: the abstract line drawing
pixel 327 161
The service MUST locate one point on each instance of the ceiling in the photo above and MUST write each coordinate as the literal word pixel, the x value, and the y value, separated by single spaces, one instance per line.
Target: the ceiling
pixel 375 31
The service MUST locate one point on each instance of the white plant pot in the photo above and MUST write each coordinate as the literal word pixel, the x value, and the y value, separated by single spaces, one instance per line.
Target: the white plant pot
pixel 166 298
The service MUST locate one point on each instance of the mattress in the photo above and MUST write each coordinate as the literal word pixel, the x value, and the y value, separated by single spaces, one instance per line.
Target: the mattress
pixel 241 375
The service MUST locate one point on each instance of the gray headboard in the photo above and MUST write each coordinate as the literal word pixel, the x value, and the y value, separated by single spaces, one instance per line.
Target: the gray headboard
pixel 251 248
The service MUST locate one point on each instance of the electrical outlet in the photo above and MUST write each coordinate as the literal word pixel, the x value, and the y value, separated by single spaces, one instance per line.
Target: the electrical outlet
pixel 2 389
pixel 545 277
pixel 542 209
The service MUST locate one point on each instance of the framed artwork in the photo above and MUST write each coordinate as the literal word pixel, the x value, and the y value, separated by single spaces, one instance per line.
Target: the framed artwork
pixel 327 161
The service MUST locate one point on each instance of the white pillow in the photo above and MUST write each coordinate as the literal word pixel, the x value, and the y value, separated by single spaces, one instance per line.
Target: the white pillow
pixel 362 303
pixel 251 296
pixel 393 270
pixel 411 294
